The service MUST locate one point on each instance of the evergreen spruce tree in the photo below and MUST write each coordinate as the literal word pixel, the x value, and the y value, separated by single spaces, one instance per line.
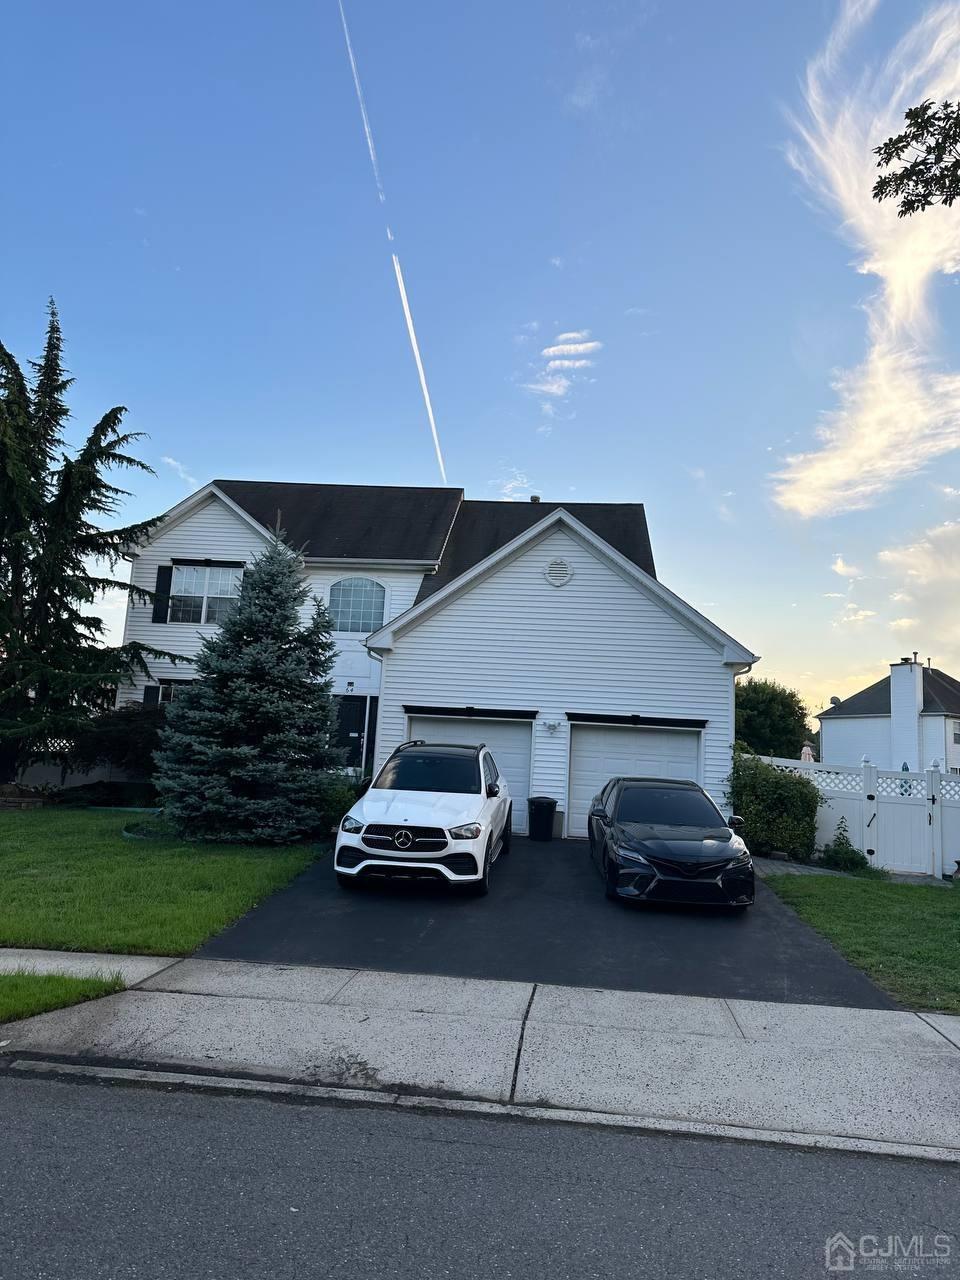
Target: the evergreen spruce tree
pixel 55 671
pixel 247 748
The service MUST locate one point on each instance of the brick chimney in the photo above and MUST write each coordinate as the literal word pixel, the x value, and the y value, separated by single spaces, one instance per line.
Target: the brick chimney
pixel 906 703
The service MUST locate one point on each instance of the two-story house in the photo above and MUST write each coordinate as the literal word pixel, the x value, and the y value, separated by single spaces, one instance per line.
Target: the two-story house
pixel 538 628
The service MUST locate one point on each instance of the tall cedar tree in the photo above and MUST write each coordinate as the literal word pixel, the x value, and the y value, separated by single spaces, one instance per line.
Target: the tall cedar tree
pixel 247 747
pixel 55 672
pixel 771 719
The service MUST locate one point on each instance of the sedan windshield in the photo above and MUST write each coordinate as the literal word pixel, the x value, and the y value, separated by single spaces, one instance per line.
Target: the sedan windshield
pixel 667 807
pixel 423 771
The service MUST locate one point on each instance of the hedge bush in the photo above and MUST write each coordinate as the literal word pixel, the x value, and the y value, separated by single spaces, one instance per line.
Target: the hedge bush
pixel 841 854
pixel 779 810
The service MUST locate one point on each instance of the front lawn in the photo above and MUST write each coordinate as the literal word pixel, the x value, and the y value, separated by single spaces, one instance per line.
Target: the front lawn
pixel 24 994
pixel 906 937
pixel 71 882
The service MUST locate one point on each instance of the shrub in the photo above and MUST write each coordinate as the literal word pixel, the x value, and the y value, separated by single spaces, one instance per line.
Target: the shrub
pixel 841 854
pixel 125 737
pixel 779 810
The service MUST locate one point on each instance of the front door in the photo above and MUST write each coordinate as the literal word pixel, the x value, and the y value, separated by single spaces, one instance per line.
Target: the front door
pixel 351 715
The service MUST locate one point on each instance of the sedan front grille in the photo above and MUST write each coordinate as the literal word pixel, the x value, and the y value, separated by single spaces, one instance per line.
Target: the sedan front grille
pixel 422 840
pixel 687 870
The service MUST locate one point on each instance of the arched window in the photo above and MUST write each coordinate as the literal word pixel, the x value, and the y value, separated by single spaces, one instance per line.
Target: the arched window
pixel 356 604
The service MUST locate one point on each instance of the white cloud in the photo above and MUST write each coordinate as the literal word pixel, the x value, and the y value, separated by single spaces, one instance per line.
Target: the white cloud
pixel 181 471
pixel 949 491
pixel 515 484
pixel 899 597
pixel 852 616
pixel 845 570
pixel 903 624
pixel 549 384
pixel 545 429
pixel 575 335
pixel 897 411
pixel 570 364
pixel 833 595
pixel 928 570
pixel 590 86
pixel 571 349
pixel 557 262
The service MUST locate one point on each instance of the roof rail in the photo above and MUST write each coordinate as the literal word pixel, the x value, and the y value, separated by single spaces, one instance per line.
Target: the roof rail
pixel 414 742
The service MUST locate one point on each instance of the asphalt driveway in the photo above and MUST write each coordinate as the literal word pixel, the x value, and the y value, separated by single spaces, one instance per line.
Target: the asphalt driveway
pixel 546 920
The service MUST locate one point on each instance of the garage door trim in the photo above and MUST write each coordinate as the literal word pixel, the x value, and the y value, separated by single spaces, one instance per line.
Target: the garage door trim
pixel 640 722
pixel 470 713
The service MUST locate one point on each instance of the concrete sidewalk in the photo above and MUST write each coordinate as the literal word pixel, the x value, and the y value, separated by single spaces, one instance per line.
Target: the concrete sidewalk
pixel 801 1074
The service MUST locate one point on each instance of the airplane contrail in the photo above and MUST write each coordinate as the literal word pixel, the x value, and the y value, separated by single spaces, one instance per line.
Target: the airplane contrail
pixel 408 316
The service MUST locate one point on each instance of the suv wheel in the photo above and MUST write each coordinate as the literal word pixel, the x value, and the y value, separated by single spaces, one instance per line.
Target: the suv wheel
pixel 480 888
pixel 507 832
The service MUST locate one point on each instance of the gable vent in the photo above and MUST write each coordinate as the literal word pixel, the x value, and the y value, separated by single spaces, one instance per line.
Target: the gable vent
pixel 558 573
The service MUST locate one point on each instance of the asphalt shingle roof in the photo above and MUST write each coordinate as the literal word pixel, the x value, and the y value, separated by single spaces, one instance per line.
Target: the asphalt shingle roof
pixel 385 522
pixel 941 696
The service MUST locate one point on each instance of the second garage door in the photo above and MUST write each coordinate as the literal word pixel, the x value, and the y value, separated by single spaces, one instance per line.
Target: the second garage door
pixel 509 743
pixel 601 752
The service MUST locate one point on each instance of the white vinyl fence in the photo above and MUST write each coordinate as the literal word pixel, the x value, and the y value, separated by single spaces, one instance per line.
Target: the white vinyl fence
pixel 906 822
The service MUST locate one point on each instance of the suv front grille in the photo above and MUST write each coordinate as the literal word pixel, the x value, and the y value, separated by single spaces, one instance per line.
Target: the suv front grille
pixel 423 840
pixel 461 864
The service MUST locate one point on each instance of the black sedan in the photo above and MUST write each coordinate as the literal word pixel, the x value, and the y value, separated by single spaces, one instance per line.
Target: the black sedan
pixel 664 840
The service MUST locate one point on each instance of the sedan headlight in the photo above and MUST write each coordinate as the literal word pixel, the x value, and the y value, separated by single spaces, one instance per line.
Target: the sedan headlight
pixel 469 832
pixel 629 853
pixel 351 825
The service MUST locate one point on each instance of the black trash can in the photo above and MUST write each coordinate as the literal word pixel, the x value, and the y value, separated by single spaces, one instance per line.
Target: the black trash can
pixel 540 810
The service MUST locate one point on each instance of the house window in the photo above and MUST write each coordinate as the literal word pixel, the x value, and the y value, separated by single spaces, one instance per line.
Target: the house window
pixel 170 690
pixel 203 594
pixel 356 604
pixel 956 733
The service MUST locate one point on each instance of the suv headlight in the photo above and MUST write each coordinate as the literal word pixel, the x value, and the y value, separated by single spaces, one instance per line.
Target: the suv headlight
pixel 351 825
pixel 469 832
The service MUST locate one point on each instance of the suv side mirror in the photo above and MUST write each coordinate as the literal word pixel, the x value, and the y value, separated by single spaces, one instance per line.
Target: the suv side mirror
pixel 493 789
pixel 364 786
pixel 599 812
pixel 735 822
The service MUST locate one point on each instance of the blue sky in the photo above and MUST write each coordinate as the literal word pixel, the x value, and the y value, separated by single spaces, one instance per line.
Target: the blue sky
pixel 685 185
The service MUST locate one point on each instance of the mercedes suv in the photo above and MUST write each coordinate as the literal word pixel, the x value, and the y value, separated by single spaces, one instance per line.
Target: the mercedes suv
pixel 436 811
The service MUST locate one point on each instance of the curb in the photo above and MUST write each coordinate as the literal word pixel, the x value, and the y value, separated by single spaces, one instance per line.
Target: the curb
pixel 248 1086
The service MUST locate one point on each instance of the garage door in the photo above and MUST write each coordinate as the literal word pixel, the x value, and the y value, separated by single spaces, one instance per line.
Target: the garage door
pixel 509 743
pixel 601 752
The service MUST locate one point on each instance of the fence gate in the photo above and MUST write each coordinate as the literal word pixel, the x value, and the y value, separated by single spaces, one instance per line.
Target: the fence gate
pixel 904 823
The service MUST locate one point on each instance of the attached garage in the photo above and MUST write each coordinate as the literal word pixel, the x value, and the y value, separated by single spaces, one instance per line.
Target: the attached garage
pixel 599 752
pixel 508 740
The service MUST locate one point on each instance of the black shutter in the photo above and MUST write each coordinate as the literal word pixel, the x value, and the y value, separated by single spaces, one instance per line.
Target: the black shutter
pixel 151 695
pixel 161 600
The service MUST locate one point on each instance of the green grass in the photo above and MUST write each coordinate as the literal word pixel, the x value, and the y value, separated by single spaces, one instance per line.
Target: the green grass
pixel 24 994
pixel 906 937
pixel 70 881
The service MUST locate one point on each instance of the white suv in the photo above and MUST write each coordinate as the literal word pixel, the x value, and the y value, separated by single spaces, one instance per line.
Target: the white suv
pixel 434 810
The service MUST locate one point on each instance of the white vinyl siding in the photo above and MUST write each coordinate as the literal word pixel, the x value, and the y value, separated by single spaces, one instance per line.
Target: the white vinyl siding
pixel 847 740
pixel 214 532
pixel 509 744
pixel 598 644
pixel 601 752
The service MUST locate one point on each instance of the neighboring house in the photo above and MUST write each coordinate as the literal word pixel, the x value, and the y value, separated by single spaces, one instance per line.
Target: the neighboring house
pixel 538 628
pixel 911 717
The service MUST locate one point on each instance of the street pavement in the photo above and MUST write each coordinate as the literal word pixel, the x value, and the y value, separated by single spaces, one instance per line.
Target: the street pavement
pixel 106 1182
